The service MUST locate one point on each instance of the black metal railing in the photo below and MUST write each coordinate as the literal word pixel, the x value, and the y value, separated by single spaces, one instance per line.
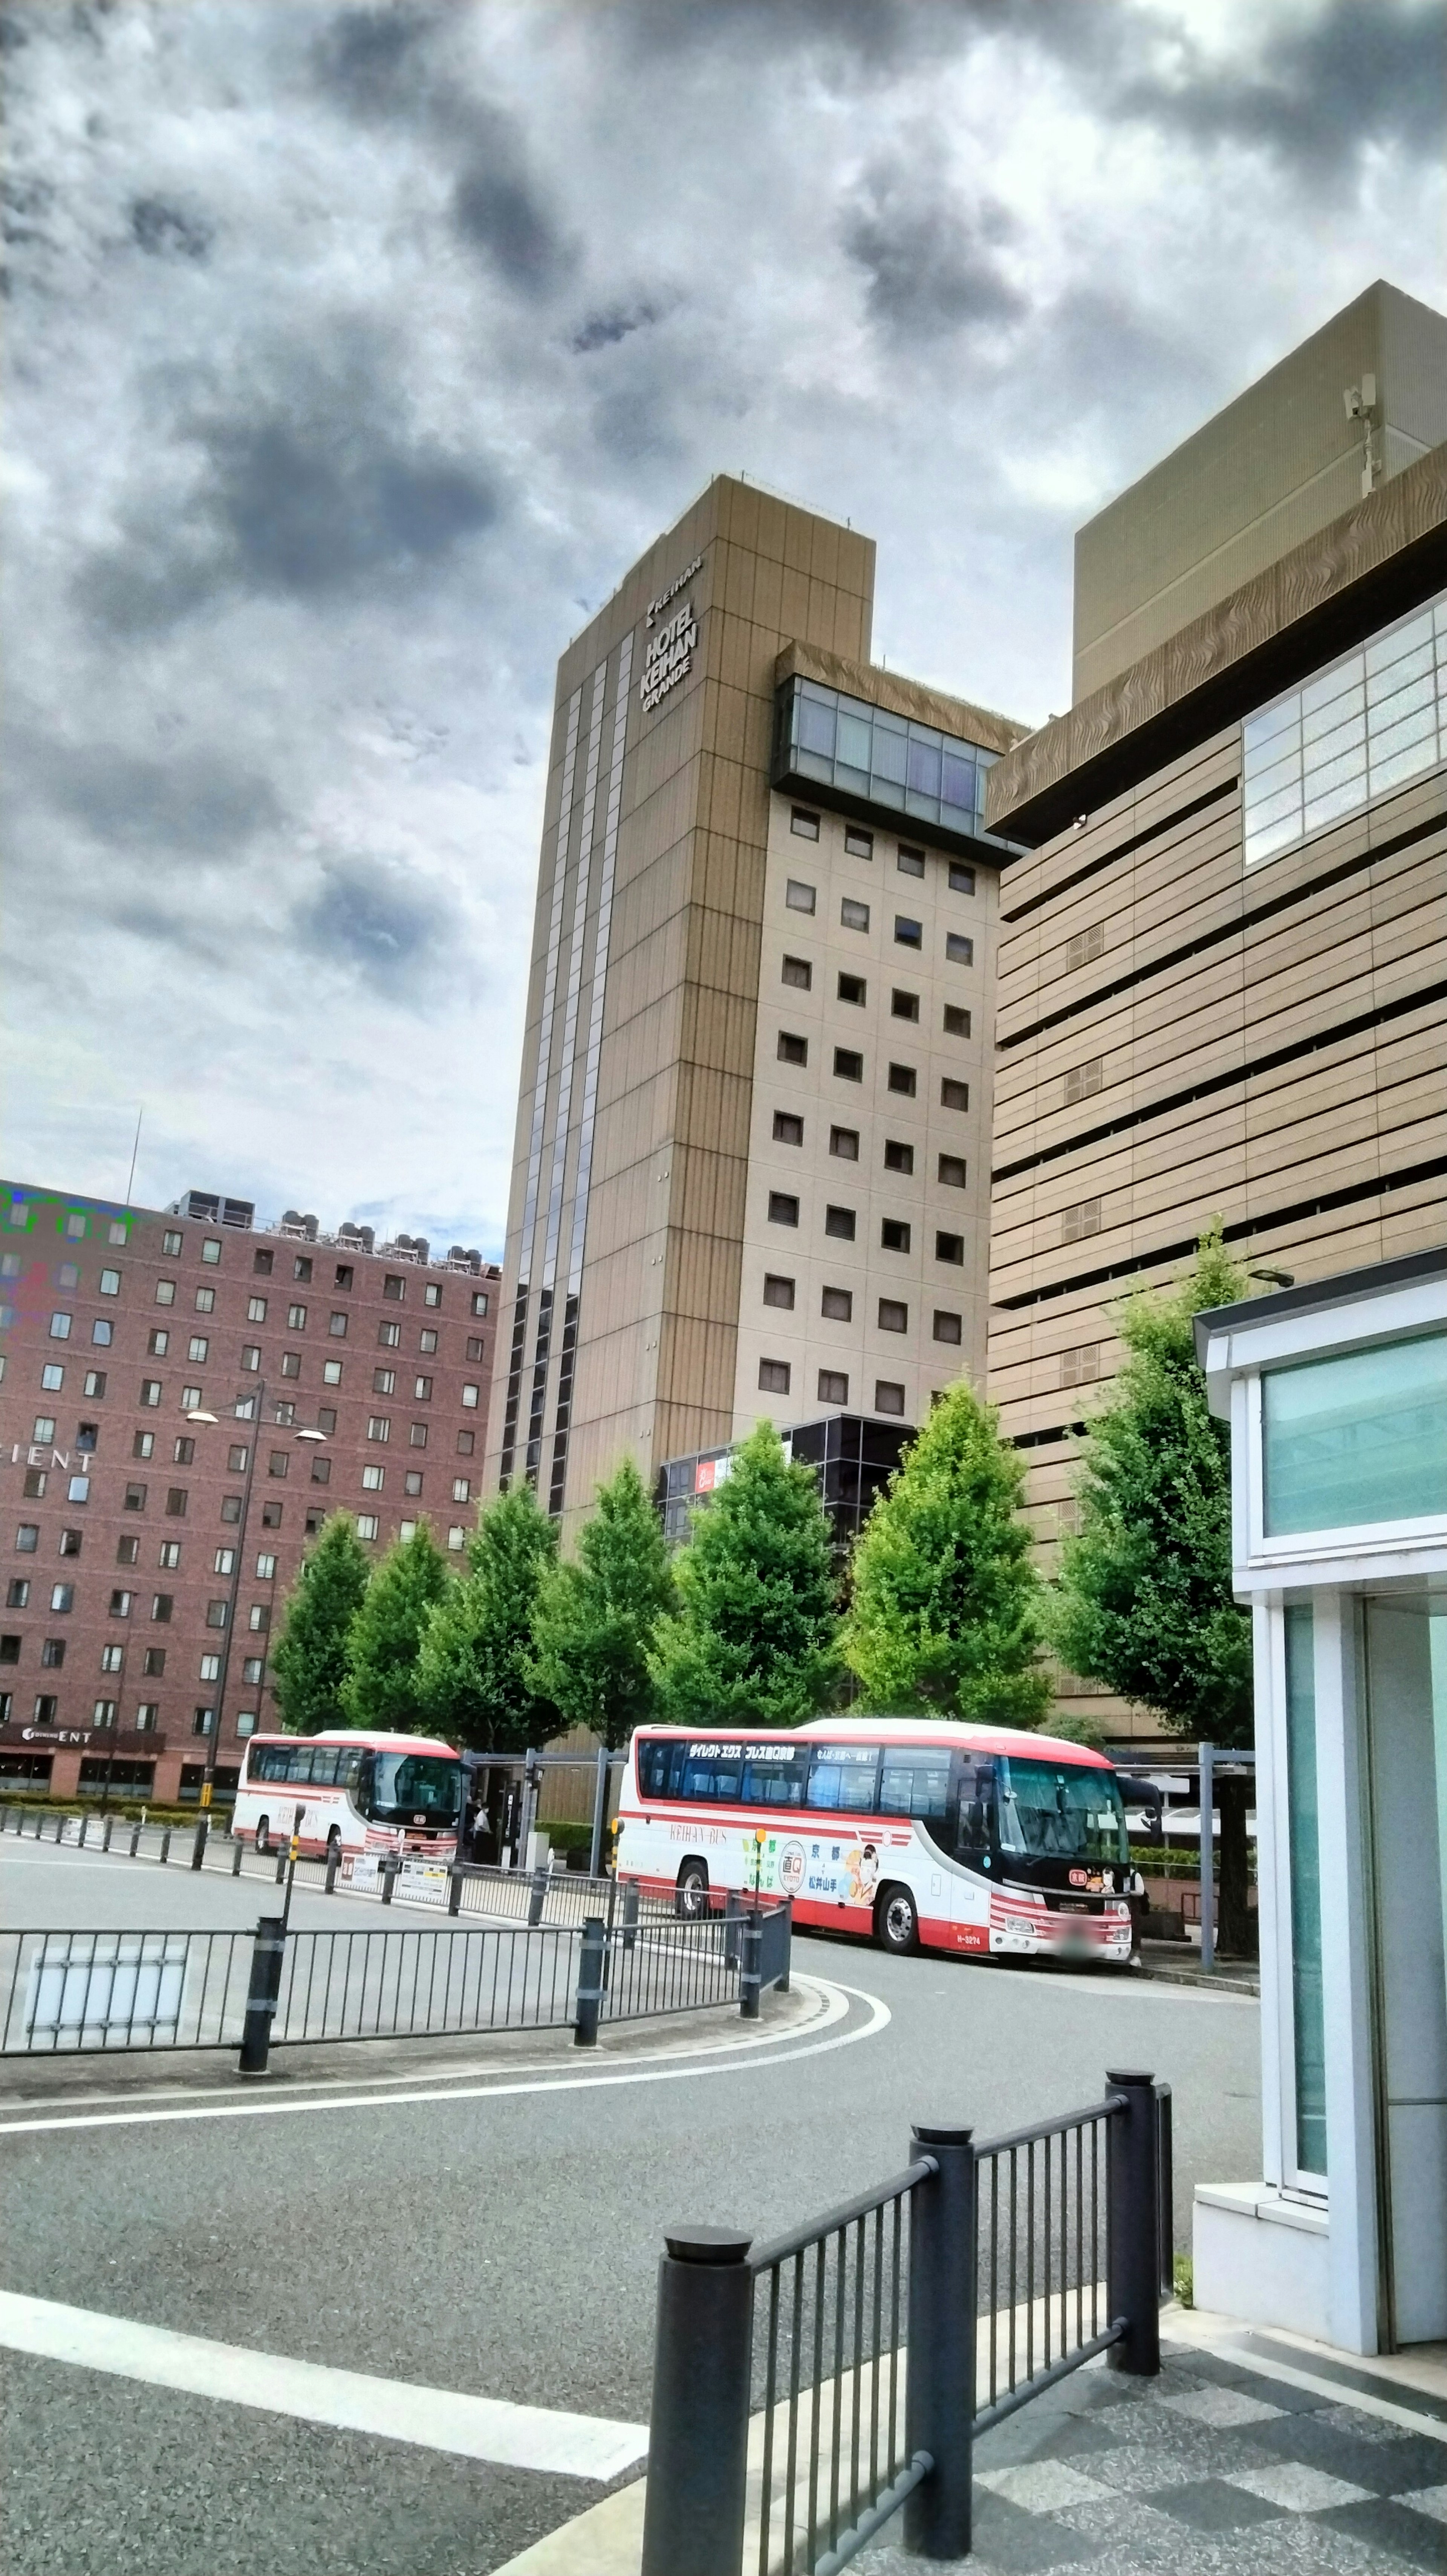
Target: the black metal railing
pixel 62 1991
pixel 806 2389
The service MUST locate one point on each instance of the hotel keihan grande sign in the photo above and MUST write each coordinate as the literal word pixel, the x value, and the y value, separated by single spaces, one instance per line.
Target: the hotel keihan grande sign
pixel 670 647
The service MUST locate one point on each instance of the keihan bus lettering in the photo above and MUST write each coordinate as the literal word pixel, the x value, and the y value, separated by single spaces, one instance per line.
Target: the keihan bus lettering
pixel 907 1831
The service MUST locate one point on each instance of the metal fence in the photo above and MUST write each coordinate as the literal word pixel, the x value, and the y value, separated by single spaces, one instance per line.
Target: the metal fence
pixel 64 1991
pixel 806 2389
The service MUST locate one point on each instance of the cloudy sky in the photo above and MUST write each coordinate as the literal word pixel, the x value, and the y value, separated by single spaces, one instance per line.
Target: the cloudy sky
pixel 353 354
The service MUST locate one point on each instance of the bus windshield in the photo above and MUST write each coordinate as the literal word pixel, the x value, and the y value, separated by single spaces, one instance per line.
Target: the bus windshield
pixel 410 1788
pixel 1061 1812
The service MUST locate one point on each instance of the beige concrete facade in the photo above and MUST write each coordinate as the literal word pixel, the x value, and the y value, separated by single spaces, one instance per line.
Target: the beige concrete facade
pixel 1182 1035
pixel 630 1318
pixel 1279 463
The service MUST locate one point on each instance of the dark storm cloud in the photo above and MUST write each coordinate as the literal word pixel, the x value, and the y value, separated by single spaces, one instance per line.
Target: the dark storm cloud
pixel 167 231
pixel 371 918
pixel 198 803
pixel 1358 72
pixel 304 495
pixel 605 330
pixel 499 211
pixel 930 261
pixel 367 59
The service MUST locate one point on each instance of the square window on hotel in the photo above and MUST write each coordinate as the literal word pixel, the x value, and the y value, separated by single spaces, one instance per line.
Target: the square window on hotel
pixel 778 1291
pixel 848 1065
pixel 788 1130
pixel 804 823
pixel 908 934
pixel 840 1221
pixel 774 1377
pixel 792 1049
pixel 903 1079
pixel 844 1141
pixel 952 1171
pixel 954 1095
pixel 893 1234
pixel 957 1021
pixel 911 861
pixel 958 949
pixel 833 1387
pixel 903 1006
pixel 783 1208
pixel 858 842
pixel 798 896
pixel 852 915
pixel 366 1524
pixel 60 1327
pixel 799 972
pixel 888 1397
pixel 962 879
pixel 384 1381
pixel 893 1316
pixel 950 1247
pixel 898 1157
pixel 838 1305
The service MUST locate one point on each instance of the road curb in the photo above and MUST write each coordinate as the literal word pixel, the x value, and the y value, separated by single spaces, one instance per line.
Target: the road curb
pixel 607 2540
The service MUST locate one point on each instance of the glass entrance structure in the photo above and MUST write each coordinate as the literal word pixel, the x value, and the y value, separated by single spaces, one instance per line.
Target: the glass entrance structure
pixel 1337 1397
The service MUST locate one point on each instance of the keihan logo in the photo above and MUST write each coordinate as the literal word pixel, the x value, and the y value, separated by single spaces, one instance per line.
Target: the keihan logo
pixel 670 651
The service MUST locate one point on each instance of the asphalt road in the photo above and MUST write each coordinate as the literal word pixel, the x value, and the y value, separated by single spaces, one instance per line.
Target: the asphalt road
pixel 505 2243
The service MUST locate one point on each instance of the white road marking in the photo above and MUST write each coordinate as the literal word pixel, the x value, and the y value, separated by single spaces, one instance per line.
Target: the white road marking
pixel 275 2108
pixel 436 2419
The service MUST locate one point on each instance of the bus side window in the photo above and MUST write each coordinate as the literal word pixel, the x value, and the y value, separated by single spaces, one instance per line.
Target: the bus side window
pixel 324 1766
pixel 299 1763
pixel 977 1807
pixel 713 1775
pixel 774 1776
pixel 914 1784
pixel 653 1768
pixel 271 1762
pixel 844 1777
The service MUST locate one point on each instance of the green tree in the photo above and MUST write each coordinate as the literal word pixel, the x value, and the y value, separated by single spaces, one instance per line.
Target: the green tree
pixel 309 1659
pixel 472 1672
pixel 946 1612
pixel 754 1640
pixel 1143 1602
pixel 381 1685
pixel 595 1619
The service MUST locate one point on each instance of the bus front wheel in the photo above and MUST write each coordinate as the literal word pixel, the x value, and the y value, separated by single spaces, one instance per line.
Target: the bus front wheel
pixel 263 1835
pixel 896 1921
pixel 691 1896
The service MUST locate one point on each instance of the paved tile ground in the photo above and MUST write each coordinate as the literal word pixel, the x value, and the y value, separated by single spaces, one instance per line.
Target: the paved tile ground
pixel 1210 2470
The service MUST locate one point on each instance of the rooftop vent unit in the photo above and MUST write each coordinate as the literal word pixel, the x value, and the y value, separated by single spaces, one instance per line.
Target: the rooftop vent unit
pixel 209 1209
pixel 363 1236
pixel 293 1222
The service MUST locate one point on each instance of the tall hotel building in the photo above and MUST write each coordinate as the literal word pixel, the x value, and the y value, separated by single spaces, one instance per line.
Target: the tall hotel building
pixel 1222 979
pixel 750 1166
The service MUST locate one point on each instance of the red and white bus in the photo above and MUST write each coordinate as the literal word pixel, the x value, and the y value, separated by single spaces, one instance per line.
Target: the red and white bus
pixel 904 1830
pixel 359 1792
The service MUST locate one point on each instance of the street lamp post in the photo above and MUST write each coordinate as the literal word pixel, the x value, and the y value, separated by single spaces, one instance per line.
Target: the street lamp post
pixel 255 1406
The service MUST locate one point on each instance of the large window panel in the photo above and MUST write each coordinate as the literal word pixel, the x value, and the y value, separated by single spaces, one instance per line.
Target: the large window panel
pixel 1366 725
pixel 1356 1440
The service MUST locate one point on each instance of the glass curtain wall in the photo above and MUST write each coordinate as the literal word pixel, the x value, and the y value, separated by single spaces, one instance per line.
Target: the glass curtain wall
pixel 1371 722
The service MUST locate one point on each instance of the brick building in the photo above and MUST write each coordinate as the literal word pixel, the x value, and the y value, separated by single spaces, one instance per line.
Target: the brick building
pixel 147 1555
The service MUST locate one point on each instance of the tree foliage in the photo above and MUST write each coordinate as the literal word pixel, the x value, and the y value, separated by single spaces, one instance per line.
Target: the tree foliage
pixel 754 1640
pixel 946 1608
pixel 381 1686
pixel 309 1659
pixel 472 1673
pixel 1144 1598
pixel 595 1619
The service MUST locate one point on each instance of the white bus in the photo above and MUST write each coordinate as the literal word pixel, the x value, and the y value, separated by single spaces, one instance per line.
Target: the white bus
pixel 904 1830
pixel 357 1793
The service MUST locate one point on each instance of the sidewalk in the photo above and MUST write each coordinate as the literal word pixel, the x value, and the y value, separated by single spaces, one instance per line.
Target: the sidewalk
pixel 1224 2466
